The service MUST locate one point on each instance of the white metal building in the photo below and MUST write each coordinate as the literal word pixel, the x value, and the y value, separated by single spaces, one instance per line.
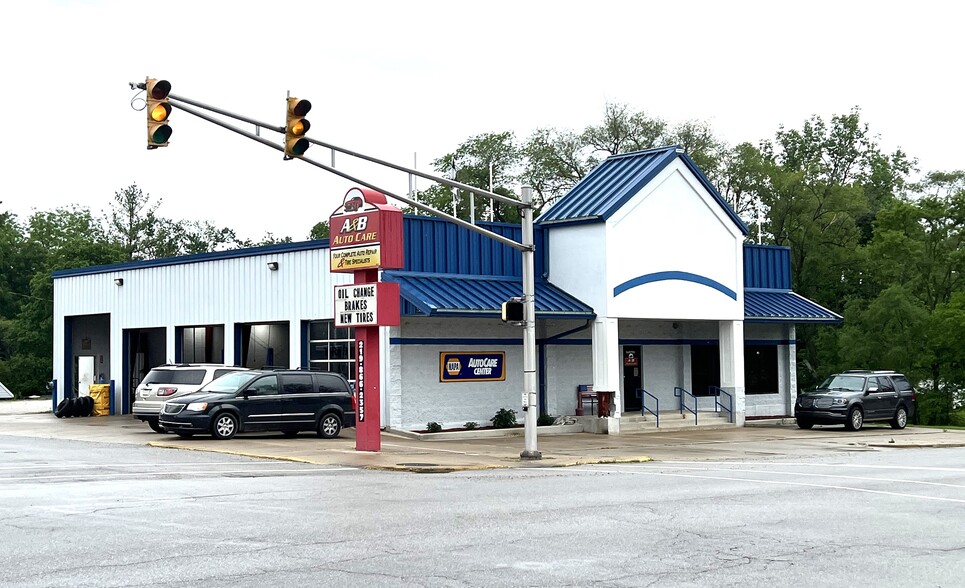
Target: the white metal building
pixel 644 283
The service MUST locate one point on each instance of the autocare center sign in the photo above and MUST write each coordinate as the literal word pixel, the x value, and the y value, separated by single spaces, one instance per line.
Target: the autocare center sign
pixel 462 366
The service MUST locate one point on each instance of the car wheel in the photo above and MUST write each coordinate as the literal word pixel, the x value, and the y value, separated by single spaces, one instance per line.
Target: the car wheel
pixel 329 426
pixel 225 426
pixel 901 418
pixel 855 419
pixel 156 426
pixel 184 434
pixel 61 410
pixel 804 424
pixel 289 433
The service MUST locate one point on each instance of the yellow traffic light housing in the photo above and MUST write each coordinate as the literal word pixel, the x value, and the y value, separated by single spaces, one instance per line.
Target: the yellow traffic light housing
pixel 296 125
pixel 158 112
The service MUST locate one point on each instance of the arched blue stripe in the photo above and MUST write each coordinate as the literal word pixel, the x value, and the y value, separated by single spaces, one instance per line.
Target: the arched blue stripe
pixel 685 276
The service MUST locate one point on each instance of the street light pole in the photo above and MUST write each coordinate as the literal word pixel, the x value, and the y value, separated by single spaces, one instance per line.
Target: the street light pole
pixel 529 329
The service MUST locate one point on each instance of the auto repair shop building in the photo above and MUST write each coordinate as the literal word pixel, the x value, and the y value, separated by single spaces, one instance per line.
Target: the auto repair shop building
pixel 643 282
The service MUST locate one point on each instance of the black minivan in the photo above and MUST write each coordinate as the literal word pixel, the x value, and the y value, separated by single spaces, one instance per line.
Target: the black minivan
pixel 264 400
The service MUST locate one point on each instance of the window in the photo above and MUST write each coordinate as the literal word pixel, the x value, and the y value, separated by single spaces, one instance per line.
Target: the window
pixel 331 349
pixel 264 386
pixel 194 377
pixel 330 384
pixel 297 384
pixel 902 383
pixel 884 384
pixel 760 369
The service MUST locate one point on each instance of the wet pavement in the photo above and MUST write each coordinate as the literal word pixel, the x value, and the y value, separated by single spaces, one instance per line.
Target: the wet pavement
pixel 762 440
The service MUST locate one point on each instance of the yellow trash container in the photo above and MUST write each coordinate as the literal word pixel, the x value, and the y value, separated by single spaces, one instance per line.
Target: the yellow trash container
pixel 101 393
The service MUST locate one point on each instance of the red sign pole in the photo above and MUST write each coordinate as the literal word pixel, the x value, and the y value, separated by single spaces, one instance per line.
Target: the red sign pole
pixel 368 375
pixel 366 236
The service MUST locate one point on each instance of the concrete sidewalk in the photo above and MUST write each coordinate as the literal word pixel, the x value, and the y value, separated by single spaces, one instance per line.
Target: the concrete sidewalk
pixel 769 441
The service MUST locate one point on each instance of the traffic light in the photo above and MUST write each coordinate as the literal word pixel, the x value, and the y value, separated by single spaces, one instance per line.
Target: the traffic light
pixel 296 125
pixel 158 111
pixel 513 311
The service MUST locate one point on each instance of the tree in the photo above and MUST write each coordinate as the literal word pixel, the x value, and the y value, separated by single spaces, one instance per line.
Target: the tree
pixel 133 224
pixel 489 162
pixel 319 231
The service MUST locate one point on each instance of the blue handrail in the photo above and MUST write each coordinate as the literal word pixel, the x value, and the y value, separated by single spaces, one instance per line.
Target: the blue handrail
pixel 680 393
pixel 717 391
pixel 643 404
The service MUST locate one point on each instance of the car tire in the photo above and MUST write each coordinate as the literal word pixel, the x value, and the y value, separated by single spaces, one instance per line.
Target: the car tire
pixel 855 419
pixel 224 426
pixel 156 426
pixel 61 410
pixel 87 408
pixel 900 419
pixel 329 426
pixel 289 434
pixel 73 407
pixel 804 424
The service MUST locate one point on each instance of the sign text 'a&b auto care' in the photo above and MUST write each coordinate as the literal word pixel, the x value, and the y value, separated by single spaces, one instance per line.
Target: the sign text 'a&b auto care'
pixel 461 366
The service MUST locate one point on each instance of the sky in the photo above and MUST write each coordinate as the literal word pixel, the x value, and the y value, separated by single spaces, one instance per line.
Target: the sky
pixel 409 81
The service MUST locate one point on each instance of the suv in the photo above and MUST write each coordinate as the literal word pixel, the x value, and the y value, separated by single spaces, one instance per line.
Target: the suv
pixel 854 397
pixel 165 382
pixel 264 400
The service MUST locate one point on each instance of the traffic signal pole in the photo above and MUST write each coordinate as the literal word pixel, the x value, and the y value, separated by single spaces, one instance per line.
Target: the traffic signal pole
pixel 527 247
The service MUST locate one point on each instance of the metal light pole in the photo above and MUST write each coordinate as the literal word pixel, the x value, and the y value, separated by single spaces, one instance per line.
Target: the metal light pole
pixel 529 328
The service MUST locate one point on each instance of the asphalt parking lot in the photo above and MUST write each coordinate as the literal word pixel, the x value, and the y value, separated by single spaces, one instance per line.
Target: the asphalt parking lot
pixel 761 440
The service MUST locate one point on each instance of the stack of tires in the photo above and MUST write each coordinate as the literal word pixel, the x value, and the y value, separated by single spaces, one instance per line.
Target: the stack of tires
pixel 82 406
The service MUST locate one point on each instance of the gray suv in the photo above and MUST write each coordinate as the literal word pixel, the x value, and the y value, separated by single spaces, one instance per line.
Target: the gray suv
pixel 854 397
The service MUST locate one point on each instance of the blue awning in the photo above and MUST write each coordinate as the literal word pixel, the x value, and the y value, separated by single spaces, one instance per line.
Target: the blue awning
pixel 474 295
pixel 784 306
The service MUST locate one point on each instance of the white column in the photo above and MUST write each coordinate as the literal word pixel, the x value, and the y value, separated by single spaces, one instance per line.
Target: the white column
pixel 791 368
pixel 606 361
pixel 732 365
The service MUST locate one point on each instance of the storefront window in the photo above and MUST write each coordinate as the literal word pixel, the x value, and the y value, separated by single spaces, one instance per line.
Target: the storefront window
pixel 332 349
pixel 760 369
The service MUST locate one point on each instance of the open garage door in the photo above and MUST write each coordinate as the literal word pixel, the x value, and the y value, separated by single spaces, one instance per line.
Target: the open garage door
pixel 262 345
pixel 143 350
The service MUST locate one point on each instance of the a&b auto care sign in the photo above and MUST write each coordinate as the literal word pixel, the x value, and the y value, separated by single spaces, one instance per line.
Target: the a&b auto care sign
pixel 365 233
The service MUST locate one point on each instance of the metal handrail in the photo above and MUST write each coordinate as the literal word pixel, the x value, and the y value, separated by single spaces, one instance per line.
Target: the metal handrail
pixel 679 393
pixel 643 404
pixel 717 391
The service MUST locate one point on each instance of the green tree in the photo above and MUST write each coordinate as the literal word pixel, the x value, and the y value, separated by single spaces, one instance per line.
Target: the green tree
pixel 319 231
pixel 489 162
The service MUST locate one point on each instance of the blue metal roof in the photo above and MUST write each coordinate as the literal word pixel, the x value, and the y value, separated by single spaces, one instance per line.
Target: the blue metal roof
pixel 767 266
pixel 474 295
pixel 784 306
pixel 615 181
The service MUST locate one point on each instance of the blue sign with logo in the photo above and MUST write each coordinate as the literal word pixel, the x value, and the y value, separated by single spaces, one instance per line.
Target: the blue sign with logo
pixel 461 366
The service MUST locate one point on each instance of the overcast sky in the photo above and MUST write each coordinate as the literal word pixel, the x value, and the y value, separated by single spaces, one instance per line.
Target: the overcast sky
pixel 394 79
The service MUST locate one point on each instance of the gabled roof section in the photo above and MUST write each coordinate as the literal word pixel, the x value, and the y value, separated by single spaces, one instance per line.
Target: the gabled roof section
pixel 615 181
pixel 474 295
pixel 784 306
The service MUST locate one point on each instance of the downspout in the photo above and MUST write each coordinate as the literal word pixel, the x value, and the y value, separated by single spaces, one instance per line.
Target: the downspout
pixel 541 345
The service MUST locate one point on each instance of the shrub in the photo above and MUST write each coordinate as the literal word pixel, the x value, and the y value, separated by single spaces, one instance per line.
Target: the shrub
pixel 471 425
pixel 433 427
pixel 504 418
pixel 544 420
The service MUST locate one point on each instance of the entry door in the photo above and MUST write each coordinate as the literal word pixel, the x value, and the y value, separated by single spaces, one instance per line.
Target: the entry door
pixel 632 378
pixel 85 374
pixel 263 409
pixel 704 368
